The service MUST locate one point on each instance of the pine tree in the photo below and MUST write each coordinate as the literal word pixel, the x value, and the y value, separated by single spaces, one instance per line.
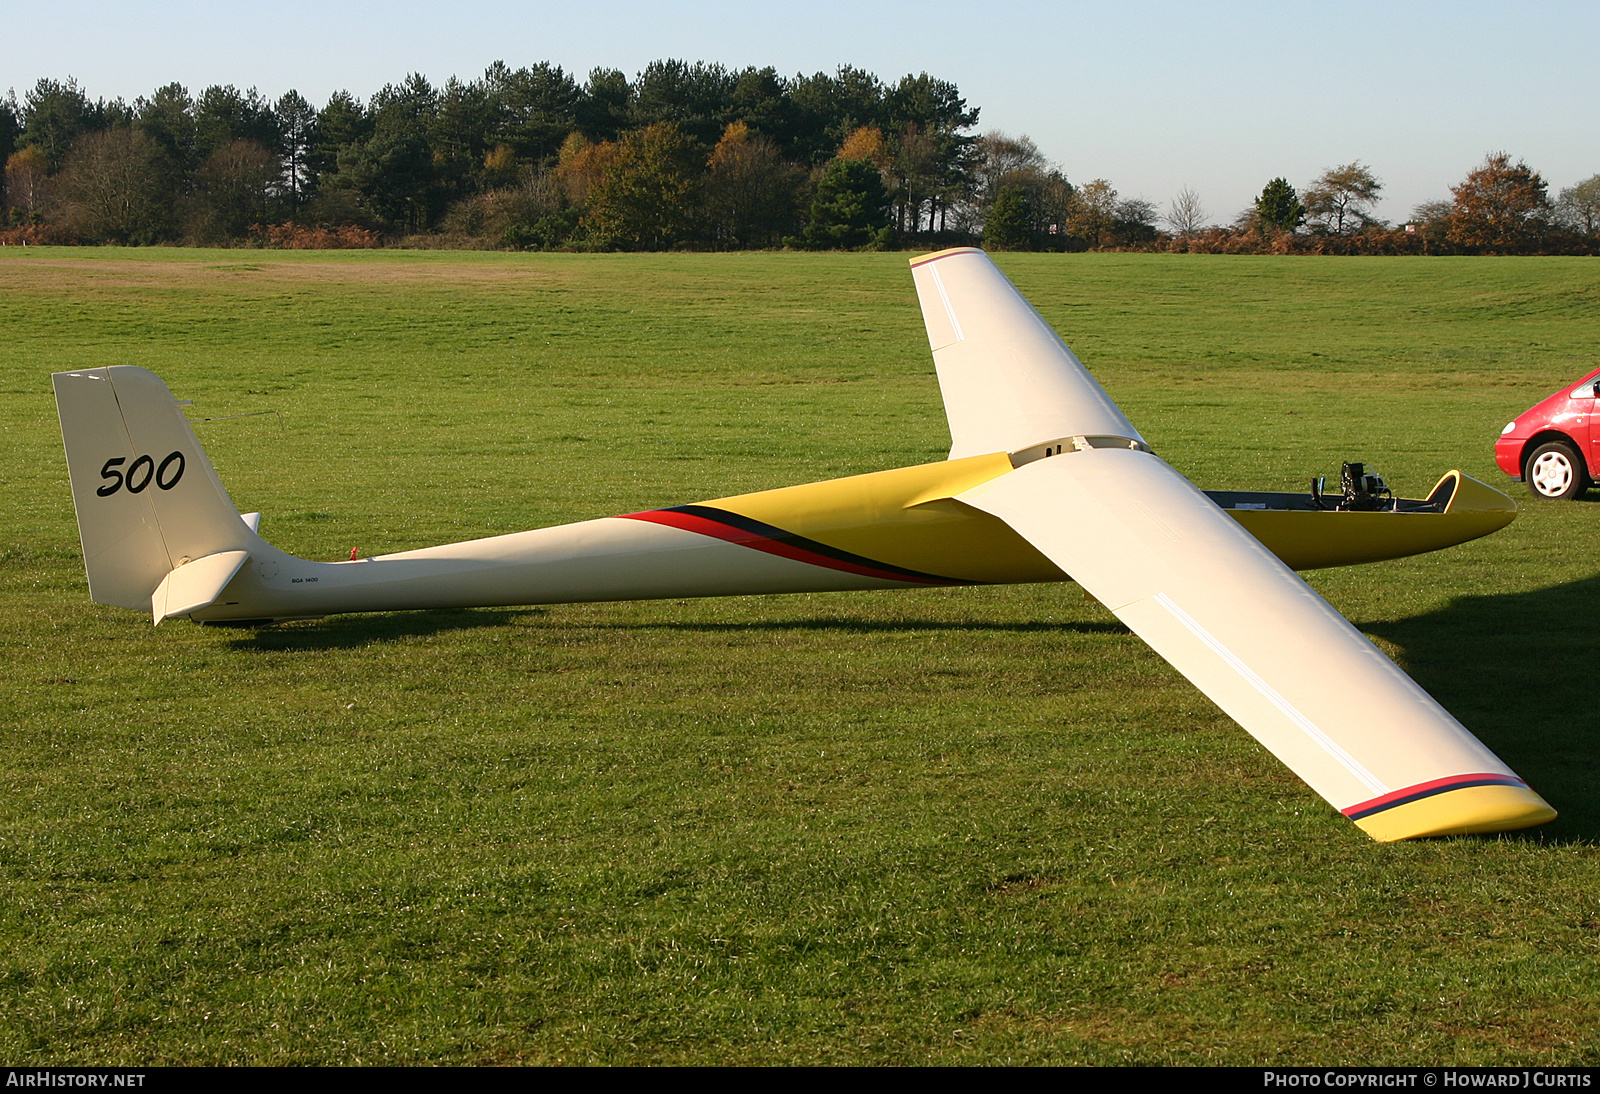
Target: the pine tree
pixel 1007 227
pixel 851 209
pixel 1279 207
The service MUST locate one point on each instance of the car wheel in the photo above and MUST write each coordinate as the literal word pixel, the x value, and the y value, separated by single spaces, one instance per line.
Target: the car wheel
pixel 1555 472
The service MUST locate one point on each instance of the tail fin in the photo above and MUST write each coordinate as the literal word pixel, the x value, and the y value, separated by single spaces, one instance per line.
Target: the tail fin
pixel 148 500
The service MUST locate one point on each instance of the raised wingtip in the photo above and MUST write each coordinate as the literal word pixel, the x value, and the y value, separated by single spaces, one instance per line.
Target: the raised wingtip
pixel 922 260
pixel 1468 810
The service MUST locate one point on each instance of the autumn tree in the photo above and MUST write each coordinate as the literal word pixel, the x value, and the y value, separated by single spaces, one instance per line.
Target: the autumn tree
pixel 1278 208
pixel 645 199
pixel 1501 207
pixel 866 143
pixel 751 193
pixel 1093 213
pixel 500 166
pixel 25 184
pixel 580 165
pixel 1342 198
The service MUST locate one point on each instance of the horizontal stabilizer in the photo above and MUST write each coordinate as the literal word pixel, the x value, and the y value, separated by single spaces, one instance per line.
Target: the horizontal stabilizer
pixel 194 585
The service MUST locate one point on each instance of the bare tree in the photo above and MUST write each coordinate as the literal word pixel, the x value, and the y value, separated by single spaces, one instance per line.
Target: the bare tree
pixel 1578 207
pixel 1185 215
pixel 1431 220
pixel 999 159
pixel 1341 199
pixel 117 187
pixel 915 171
pixel 232 189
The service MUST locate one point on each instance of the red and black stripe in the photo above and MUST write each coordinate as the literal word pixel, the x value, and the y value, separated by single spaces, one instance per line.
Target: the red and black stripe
pixel 1427 790
pixel 708 520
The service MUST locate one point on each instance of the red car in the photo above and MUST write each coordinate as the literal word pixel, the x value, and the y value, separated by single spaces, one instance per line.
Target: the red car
pixel 1551 446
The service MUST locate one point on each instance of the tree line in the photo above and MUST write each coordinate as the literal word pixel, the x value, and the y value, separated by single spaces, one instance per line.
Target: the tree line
pixel 681 156
pixel 1500 207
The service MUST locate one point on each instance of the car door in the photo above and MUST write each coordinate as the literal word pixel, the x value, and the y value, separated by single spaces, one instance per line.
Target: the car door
pixel 1577 422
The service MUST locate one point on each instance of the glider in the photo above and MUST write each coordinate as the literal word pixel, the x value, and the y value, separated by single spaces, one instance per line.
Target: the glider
pixel 1046 480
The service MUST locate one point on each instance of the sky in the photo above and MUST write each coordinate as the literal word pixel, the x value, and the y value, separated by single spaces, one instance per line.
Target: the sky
pixel 1153 96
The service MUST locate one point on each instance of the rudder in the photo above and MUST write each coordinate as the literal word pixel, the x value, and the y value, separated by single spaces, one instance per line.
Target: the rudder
pixel 146 496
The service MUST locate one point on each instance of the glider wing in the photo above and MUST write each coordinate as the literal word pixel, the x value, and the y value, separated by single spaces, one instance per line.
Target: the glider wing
pixel 1260 643
pixel 1009 382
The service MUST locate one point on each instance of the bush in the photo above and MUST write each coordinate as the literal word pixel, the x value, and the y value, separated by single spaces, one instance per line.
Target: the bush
pixel 298 237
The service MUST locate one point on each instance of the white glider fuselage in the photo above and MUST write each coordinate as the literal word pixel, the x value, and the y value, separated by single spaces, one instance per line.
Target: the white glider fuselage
pixel 612 558
pixel 1047 480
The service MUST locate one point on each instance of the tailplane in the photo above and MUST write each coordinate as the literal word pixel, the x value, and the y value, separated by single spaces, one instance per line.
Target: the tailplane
pixel 148 500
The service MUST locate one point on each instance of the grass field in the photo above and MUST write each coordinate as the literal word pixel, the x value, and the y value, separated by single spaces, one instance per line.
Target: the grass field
pixel 945 826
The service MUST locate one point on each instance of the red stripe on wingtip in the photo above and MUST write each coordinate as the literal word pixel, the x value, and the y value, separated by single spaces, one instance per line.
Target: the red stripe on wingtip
pixel 690 522
pixel 1429 789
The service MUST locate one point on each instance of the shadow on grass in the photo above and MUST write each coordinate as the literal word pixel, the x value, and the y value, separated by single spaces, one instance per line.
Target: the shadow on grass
pixel 871 626
pixel 1519 670
pixel 354 631
pixel 343 632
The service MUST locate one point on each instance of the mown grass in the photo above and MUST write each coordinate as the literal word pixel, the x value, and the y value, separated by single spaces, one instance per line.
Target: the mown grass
pixel 947 826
